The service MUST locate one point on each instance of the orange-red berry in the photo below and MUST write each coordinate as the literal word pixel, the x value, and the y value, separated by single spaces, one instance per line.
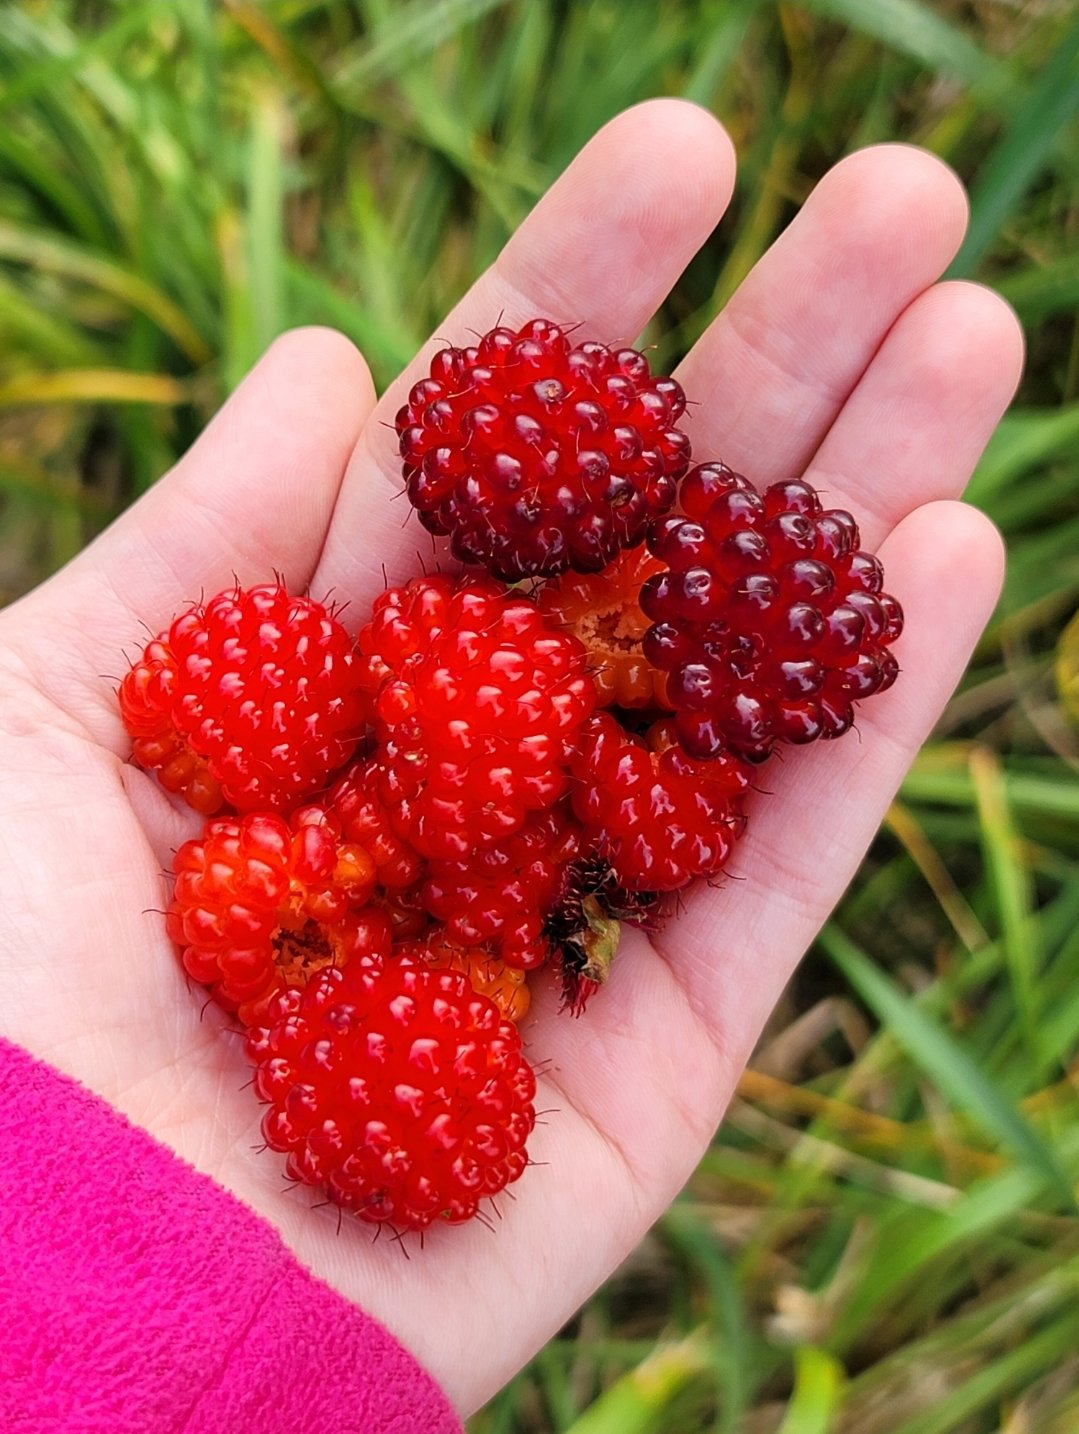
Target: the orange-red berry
pixel 249 700
pixel 261 903
pixel 478 704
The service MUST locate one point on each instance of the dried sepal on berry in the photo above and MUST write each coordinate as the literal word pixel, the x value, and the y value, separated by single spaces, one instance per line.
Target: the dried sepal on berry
pixel 536 455
pixel 585 927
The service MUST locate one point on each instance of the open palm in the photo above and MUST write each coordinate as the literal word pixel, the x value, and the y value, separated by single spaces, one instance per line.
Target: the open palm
pixel 840 357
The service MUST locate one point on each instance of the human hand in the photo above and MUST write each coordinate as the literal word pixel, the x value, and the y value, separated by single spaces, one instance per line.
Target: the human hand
pixel 840 357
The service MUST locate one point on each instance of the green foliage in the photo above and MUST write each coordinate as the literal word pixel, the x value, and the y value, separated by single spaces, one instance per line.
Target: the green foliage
pixel 883 1237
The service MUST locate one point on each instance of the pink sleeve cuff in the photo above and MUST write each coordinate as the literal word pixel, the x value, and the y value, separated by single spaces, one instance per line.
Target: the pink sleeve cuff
pixel 139 1297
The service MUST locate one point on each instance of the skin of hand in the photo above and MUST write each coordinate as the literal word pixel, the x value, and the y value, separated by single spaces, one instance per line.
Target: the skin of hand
pixel 841 357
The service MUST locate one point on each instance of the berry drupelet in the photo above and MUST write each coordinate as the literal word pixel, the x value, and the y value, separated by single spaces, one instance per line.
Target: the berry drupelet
pixel 500 897
pixel 353 802
pixel 535 455
pixel 398 1089
pixel 769 621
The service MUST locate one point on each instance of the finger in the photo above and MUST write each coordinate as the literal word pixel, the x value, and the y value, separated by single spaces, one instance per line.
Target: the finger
pixel 918 421
pixel 602 248
pixel 777 365
pixel 734 948
pixel 252 496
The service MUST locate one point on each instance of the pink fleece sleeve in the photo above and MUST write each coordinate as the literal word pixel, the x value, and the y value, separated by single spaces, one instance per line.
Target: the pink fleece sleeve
pixel 138 1297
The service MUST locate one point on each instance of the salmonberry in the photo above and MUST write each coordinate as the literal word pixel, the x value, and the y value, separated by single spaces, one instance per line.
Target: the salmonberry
pixel 535 455
pixel 604 611
pixel 500 897
pixel 770 621
pixel 659 818
pixel 398 1089
pixel 249 699
pixel 477 706
pixel 261 903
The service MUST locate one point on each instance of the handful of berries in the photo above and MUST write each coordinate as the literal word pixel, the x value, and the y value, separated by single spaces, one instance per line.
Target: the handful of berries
pixel 487 779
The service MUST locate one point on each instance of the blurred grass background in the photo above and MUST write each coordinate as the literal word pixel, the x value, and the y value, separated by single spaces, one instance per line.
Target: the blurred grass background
pixel 884 1236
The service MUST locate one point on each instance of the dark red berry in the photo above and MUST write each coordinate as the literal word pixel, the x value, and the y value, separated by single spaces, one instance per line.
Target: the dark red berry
pixel 535 456
pixel 769 620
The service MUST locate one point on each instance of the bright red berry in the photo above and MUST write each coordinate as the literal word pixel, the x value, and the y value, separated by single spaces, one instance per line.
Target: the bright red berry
pixel 500 897
pixel 535 455
pixel 659 818
pixel 398 1089
pixel 604 611
pixel 261 903
pixel 477 705
pixel 249 699
pixel 770 621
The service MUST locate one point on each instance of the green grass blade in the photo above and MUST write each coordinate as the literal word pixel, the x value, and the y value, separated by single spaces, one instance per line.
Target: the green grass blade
pixel 1042 290
pixel 911 28
pixel 639 1402
pixel 57 69
pixel 1036 1354
pixel 1038 119
pixel 731 1343
pixel 939 1054
pixel 265 229
pixel 1011 886
pixel 44 251
pixel 410 33
pixel 818 1393
pixel 1025 439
